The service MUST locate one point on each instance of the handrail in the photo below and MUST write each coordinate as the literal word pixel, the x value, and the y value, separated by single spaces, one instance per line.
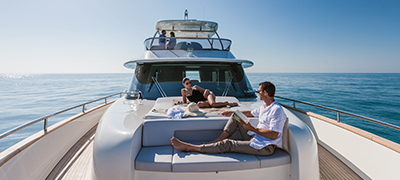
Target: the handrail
pixel 188 38
pixel 227 87
pixel 158 86
pixel 343 112
pixel 209 40
pixel 45 118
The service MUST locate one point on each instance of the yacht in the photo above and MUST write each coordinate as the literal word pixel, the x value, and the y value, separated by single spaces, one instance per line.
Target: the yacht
pixel 128 137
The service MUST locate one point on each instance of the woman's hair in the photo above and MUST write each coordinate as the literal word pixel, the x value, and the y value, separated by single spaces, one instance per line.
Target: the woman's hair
pixel 185 79
pixel 269 87
pixel 172 34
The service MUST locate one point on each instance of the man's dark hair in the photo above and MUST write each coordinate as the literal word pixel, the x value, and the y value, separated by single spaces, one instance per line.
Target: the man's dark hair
pixel 269 87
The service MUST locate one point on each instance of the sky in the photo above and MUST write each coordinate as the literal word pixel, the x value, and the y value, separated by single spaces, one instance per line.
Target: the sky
pixel 286 36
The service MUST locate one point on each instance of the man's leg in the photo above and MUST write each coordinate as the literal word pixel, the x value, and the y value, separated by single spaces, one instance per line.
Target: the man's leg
pixel 225 146
pixel 229 145
pixel 230 127
pixel 185 147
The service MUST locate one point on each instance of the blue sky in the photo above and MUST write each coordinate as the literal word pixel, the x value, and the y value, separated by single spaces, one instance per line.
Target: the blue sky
pixel 313 36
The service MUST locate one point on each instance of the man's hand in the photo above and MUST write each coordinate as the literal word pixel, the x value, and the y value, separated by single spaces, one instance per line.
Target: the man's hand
pixel 246 125
pixel 227 113
pixel 263 132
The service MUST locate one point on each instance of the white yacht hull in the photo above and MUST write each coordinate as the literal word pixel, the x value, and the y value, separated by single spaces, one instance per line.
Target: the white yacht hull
pixel 36 156
pixel 370 156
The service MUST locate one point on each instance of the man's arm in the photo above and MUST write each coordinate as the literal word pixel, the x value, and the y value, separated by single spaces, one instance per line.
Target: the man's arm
pixel 246 125
pixel 263 132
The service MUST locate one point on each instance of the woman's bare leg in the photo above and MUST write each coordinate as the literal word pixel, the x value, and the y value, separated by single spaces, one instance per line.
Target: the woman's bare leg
pixel 233 104
pixel 203 104
pixel 213 103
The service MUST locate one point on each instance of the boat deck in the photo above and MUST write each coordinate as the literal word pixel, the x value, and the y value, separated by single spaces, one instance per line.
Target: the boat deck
pixel 330 167
pixel 76 164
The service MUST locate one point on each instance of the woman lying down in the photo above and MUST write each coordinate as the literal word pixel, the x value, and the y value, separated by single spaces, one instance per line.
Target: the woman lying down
pixel 203 97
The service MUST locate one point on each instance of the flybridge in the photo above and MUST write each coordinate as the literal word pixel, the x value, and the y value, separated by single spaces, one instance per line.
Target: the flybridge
pixel 187 34
pixel 189 28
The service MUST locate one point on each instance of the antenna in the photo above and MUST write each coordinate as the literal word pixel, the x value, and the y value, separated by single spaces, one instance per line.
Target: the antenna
pixel 186 15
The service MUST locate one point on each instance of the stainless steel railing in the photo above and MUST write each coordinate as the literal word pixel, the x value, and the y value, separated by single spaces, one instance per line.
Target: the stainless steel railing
pixel 158 86
pixel 45 118
pixel 338 112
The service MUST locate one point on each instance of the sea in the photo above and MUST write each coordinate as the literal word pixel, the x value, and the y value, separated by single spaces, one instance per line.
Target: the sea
pixel 28 97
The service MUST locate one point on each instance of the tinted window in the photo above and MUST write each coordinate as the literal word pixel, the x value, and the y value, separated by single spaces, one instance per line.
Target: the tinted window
pixel 202 72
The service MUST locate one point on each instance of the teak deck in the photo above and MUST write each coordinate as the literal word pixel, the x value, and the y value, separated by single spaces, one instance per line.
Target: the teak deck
pixel 76 164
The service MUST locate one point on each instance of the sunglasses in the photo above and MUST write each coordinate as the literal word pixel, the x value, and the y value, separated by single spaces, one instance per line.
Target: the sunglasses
pixel 188 83
pixel 258 91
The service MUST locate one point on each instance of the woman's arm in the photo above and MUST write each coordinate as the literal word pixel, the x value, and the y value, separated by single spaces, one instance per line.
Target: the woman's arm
pixel 246 113
pixel 200 89
pixel 183 92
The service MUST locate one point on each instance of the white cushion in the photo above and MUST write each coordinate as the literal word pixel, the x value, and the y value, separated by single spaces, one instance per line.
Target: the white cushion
pixel 280 157
pixel 167 159
pixel 198 162
pixel 156 158
pixel 165 129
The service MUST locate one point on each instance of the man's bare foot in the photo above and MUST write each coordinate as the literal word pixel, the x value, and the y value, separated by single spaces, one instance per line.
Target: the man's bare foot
pixel 185 147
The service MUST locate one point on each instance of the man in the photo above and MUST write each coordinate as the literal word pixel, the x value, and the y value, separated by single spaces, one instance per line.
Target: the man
pixel 260 140
pixel 161 41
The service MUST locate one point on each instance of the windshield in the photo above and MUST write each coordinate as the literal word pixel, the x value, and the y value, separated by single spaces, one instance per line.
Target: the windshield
pixel 153 80
pixel 197 72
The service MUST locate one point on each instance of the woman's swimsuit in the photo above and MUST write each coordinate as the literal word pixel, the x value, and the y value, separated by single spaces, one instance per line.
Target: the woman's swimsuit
pixel 196 96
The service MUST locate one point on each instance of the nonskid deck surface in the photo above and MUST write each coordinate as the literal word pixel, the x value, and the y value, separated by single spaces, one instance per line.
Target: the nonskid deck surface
pixel 331 167
pixel 76 164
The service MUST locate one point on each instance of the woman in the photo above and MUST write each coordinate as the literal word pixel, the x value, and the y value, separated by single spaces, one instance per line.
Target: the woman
pixel 172 41
pixel 203 97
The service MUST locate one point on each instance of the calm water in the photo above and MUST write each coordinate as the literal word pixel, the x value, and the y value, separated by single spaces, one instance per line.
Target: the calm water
pixel 27 97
